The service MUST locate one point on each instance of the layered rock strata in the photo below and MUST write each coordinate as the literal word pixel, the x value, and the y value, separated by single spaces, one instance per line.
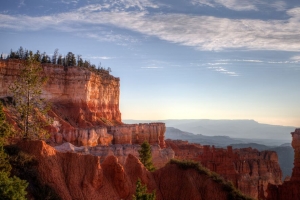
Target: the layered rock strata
pixel 122 134
pixel 138 133
pixel 79 176
pixel 289 189
pixel 250 170
pixel 160 157
pixel 85 106
pixel 79 96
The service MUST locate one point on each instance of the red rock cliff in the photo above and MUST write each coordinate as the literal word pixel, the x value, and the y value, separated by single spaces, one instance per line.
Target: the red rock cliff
pixel 78 176
pixel 79 96
pixel 85 106
pixel 289 190
pixel 250 170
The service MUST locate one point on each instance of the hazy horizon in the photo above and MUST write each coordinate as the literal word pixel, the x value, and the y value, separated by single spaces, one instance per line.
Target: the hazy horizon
pixel 196 59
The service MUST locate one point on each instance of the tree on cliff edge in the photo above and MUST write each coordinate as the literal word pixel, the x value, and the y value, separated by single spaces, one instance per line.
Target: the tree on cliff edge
pixel 141 192
pixel 145 156
pixel 30 107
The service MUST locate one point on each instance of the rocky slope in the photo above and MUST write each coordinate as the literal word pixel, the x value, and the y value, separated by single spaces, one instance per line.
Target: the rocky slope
pixel 289 190
pixel 250 170
pixel 79 176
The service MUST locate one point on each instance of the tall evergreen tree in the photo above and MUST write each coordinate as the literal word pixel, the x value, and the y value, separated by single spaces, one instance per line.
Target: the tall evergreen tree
pixel 55 56
pixel 31 108
pixel 145 156
pixel 141 192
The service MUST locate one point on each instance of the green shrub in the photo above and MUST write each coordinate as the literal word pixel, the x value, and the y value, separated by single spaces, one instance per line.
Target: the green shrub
pixel 12 188
pixel 25 167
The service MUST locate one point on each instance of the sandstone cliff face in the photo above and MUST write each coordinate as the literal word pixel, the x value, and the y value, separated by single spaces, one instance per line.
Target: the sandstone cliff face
pixel 138 133
pixel 79 96
pixel 249 170
pixel 85 107
pixel 79 176
pixel 289 190
pixel 160 157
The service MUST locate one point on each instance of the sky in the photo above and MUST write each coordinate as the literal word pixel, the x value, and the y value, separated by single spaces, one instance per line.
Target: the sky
pixel 176 59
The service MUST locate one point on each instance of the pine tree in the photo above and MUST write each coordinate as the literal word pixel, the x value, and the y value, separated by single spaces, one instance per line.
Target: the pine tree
pixel 31 108
pixel 5 132
pixel 141 192
pixel 10 187
pixel 145 156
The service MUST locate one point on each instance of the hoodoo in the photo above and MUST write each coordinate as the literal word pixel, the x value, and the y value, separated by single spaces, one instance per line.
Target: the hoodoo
pixel 289 190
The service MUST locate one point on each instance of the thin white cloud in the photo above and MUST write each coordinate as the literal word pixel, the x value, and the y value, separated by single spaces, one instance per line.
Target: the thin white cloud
pixel 100 57
pixel 256 61
pixel 201 32
pixel 297 58
pixel 152 67
pixel 238 5
pixel 218 63
pixel 21 4
pixel 279 5
pixel 223 70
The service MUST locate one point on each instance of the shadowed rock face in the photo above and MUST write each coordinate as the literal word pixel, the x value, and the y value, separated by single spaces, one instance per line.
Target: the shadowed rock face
pixel 80 176
pixel 249 170
pixel 289 190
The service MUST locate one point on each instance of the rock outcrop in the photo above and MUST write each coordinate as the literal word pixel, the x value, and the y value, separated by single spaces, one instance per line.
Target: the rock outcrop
pixel 85 106
pixel 289 190
pixel 80 176
pixel 160 157
pixel 249 170
pixel 79 96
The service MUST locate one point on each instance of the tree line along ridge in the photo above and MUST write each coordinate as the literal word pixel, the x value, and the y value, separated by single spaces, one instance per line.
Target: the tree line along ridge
pixel 69 60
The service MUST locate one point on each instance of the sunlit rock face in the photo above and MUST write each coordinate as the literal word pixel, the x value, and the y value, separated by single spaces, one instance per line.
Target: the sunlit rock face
pixel 138 133
pixel 81 97
pixel 249 170
pixel 85 107
pixel 160 157
pixel 289 190
pixel 84 176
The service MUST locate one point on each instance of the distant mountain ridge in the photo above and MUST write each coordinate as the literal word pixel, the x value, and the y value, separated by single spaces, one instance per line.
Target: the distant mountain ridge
pixel 247 129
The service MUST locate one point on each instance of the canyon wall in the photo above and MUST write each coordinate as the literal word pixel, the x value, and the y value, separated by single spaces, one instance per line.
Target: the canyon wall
pixel 160 156
pixel 249 170
pixel 80 176
pixel 118 134
pixel 79 96
pixel 85 106
pixel 289 189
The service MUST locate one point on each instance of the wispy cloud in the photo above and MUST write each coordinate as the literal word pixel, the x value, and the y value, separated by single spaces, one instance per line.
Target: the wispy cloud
pixel 238 5
pixel 223 70
pixel 297 58
pixel 152 67
pixel 279 5
pixel 100 57
pixel 21 4
pixel 241 5
pixel 202 32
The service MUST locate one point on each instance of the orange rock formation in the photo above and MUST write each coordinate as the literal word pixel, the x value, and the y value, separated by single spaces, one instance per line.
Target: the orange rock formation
pixel 289 190
pixel 85 106
pixel 249 170
pixel 79 176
